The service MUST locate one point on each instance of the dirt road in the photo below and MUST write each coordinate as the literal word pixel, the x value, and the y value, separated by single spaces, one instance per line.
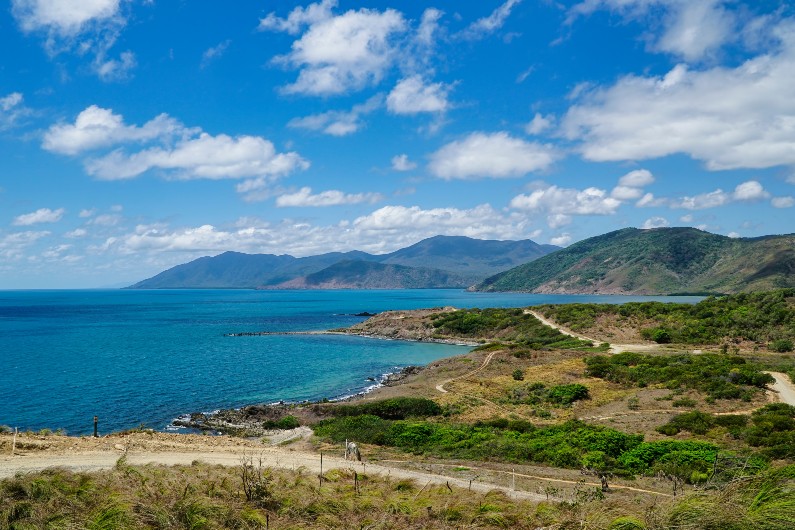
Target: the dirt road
pixel 614 348
pixel 784 387
pixel 271 456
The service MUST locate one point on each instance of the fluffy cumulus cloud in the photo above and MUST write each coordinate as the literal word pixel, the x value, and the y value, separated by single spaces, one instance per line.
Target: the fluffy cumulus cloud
pixel 96 127
pixel 491 23
pixel 383 230
pixel 168 146
pixel 88 27
pixel 539 124
pixel 630 186
pixel 65 17
pixel 338 123
pixel 412 96
pixel 730 118
pixel 42 215
pixel 560 204
pixel 305 197
pixel 655 222
pixel 690 29
pixel 783 202
pixel 403 163
pixel 490 155
pixel 337 53
pixel 750 191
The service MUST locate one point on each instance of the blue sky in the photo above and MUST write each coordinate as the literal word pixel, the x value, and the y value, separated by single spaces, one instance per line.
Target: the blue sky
pixel 139 134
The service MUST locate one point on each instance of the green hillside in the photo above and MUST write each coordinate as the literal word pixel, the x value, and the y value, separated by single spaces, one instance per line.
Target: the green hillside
pixel 369 275
pixel 657 261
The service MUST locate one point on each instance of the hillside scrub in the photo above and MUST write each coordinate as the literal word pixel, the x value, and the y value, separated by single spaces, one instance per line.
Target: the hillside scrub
pixel 771 428
pixel 718 376
pixel 572 444
pixel 766 318
pixel 511 325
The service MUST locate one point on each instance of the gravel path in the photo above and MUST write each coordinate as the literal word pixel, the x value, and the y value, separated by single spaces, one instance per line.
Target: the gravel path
pixel 271 457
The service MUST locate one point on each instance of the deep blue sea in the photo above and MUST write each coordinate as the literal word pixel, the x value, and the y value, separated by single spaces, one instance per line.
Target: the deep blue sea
pixel 133 357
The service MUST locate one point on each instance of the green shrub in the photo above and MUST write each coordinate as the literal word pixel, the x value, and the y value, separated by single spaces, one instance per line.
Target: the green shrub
pixel 567 394
pixel 392 409
pixel 518 375
pixel 782 345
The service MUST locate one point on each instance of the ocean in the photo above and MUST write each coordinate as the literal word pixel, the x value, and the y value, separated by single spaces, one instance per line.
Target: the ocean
pixel 146 357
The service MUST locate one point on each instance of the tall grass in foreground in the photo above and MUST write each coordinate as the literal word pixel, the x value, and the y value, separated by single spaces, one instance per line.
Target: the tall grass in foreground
pixel 201 496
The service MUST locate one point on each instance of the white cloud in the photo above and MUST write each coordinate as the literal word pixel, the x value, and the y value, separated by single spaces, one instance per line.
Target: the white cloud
pixel 12 108
pixel 561 240
pixel 749 191
pixel 42 215
pixel 304 197
pixel 783 202
pixel 106 220
pixel 733 235
pixel 429 26
pixel 630 186
pixel 65 17
pixel 539 124
pixel 690 29
pixel 650 201
pixel 338 54
pixel 87 213
pixel 182 153
pixel 686 218
pixel 561 203
pixel 402 163
pixel 384 230
pixel 298 17
pixel 495 155
pixel 96 127
pixel 412 96
pixel 338 123
pixel 655 222
pixel 214 52
pixel 203 157
pixel 76 233
pixel 86 28
pixel 12 246
pixel 487 25
pixel 637 179
pixel 728 117
pixel 115 69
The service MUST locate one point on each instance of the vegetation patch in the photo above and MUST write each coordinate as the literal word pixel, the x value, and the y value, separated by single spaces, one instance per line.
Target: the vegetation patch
pixel 538 393
pixel 513 325
pixel 719 376
pixel 398 408
pixel 767 318
pixel 771 428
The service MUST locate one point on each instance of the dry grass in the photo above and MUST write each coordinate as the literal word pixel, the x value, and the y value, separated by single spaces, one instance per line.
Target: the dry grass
pixel 203 496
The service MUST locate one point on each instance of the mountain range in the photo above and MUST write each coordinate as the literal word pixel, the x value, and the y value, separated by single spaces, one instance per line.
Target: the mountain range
pixel 656 261
pixel 436 262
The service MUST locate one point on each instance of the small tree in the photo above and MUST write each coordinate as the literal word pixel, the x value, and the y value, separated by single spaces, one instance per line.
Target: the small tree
pixel 518 375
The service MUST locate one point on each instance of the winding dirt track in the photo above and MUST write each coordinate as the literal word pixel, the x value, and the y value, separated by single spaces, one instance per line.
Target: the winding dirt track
pixel 614 348
pixel 271 457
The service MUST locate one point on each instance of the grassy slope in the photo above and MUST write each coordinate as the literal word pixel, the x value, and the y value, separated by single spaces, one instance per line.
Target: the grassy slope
pixel 657 261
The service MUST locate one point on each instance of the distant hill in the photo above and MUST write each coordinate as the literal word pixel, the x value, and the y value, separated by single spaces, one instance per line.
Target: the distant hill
pixel 457 261
pixel 370 275
pixel 657 261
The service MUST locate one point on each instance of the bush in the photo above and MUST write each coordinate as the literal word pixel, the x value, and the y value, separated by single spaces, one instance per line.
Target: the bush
pixel 518 375
pixel 392 409
pixel 568 394
pixel 782 345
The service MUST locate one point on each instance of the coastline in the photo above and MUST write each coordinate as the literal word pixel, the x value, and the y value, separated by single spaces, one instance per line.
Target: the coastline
pixel 357 333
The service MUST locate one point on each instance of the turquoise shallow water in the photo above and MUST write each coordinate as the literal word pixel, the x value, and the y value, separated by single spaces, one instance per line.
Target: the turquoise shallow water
pixel 133 357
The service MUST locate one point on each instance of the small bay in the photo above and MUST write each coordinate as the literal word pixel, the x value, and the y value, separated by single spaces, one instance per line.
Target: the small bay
pixel 133 357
